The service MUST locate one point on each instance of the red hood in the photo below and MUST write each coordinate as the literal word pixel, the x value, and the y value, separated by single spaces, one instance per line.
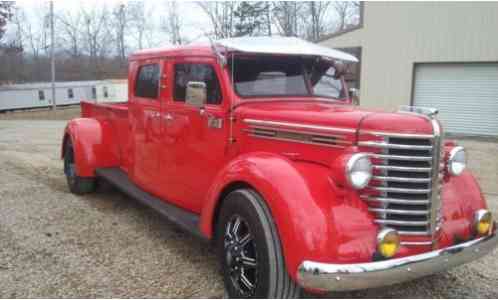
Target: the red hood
pixel 336 115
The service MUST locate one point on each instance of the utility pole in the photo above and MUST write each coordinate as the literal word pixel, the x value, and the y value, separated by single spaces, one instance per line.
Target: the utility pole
pixel 52 58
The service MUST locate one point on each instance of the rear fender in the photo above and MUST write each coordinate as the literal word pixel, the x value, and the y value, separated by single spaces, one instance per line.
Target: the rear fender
pixel 310 212
pixel 94 145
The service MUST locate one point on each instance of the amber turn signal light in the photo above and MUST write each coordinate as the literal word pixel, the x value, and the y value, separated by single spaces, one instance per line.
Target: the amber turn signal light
pixel 388 242
pixel 483 222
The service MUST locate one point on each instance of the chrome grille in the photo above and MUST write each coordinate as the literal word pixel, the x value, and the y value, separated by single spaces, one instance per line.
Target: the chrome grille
pixel 404 191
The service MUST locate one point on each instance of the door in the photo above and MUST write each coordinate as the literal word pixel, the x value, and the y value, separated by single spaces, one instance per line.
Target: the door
pixel 466 95
pixel 194 139
pixel 145 118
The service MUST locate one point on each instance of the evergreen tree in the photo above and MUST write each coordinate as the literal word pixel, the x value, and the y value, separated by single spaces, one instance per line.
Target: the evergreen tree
pixel 250 18
pixel 5 15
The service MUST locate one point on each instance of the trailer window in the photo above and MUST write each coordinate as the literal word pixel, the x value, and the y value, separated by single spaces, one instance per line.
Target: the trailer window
pixel 106 92
pixel 70 93
pixel 196 72
pixel 41 95
pixel 147 82
pixel 94 92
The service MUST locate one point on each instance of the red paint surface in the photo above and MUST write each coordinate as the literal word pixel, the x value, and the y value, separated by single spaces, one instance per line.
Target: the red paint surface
pixel 184 161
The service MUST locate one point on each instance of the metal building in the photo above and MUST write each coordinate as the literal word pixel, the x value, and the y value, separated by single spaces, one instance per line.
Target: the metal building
pixel 436 54
pixel 36 95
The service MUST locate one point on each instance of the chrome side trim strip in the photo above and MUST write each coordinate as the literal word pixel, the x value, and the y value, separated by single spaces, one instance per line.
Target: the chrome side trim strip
pixel 298 126
pixel 296 141
pixel 269 128
pixel 344 277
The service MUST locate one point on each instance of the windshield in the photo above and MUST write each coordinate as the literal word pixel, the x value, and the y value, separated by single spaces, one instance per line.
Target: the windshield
pixel 285 76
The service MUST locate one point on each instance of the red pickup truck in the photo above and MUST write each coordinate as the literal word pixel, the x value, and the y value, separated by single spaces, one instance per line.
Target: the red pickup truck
pixel 255 144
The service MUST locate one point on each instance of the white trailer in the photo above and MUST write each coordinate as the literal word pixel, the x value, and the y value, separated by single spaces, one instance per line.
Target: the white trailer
pixel 37 95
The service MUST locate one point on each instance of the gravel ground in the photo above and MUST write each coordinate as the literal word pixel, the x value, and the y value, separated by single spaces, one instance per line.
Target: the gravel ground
pixel 54 244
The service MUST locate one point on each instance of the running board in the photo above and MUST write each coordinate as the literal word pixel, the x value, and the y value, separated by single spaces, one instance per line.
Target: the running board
pixel 179 216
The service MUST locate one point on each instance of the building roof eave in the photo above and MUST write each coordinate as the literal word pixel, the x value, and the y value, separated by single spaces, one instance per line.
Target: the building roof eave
pixel 339 33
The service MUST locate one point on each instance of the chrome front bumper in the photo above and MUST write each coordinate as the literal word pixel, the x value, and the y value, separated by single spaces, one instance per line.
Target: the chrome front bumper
pixel 343 277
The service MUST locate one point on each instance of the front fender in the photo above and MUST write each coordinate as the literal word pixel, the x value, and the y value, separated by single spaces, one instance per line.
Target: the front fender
pixel 93 145
pixel 462 197
pixel 315 219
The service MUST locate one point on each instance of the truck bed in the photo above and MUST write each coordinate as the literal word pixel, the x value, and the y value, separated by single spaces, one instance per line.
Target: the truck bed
pixel 92 110
pixel 115 115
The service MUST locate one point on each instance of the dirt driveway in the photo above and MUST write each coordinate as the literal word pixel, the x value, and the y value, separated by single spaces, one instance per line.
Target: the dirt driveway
pixel 55 244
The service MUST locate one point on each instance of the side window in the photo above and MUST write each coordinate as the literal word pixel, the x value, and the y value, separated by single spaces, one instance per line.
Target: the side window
pixel 94 92
pixel 147 81
pixel 41 95
pixel 196 72
pixel 70 93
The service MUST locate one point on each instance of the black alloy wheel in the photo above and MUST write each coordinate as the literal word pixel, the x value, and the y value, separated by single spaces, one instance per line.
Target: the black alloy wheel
pixel 241 256
pixel 249 249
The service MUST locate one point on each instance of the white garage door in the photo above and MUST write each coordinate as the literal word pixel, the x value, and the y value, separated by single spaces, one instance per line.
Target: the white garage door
pixel 465 94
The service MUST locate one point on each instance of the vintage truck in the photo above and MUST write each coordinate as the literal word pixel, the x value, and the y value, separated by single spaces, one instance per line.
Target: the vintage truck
pixel 255 145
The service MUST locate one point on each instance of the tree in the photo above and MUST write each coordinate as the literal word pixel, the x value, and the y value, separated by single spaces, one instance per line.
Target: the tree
pixel 140 22
pixel 120 26
pixel 70 32
pixel 96 36
pixel 317 12
pixel 250 18
pixel 347 13
pixel 286 17
pixel 5 15
pixel 221 15
pixel 172 24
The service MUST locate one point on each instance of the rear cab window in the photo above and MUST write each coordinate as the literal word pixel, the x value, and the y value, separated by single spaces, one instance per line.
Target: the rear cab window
pixel 147 81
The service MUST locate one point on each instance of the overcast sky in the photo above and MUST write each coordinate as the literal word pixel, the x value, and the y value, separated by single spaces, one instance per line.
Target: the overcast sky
pixel 195 23
pixel 194 20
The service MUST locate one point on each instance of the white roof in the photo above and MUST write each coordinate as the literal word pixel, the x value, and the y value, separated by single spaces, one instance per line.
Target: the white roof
pixel 283 45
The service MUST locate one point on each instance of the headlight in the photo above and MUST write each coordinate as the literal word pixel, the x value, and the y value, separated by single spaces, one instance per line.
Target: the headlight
pixel 457 161
pixel 483 222
pixel 388 242
pixel 359 170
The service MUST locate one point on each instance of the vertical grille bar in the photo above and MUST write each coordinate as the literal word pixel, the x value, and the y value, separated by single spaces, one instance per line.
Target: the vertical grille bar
pixel 436 192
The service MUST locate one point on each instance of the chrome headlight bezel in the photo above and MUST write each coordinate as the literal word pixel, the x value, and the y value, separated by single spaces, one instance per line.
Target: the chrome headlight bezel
pixel 457 161
pixel 359 165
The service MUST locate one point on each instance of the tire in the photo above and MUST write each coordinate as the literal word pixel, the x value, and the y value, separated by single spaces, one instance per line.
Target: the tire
pixel 249 249
pixel 77 185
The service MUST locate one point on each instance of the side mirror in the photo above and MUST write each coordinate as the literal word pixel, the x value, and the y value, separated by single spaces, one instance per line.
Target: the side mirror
pixel 196 94
pixel 355 95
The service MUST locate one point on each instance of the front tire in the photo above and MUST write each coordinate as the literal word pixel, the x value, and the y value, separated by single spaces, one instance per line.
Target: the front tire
pixel 77 185
pixel 250 251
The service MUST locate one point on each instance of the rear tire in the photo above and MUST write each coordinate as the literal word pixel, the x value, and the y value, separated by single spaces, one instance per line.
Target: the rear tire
pixel 250 250
pixel 77 185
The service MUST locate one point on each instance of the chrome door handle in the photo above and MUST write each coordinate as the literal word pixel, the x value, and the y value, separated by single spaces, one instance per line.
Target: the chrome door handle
pixel 168 117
